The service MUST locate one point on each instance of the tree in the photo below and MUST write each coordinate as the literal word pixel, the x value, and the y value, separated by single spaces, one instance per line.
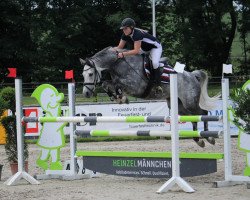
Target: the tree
pixel 203 31
pixel 63 31
pixel 244 29
pixel 44 38
pixel 16 47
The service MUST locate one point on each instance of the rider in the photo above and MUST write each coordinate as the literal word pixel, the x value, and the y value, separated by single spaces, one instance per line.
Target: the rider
pixel 142 41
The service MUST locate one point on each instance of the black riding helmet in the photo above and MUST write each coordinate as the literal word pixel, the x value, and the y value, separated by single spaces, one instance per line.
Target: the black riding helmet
pixel 127 22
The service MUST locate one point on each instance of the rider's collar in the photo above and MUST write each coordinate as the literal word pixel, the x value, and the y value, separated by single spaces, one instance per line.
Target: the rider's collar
pixel 132 33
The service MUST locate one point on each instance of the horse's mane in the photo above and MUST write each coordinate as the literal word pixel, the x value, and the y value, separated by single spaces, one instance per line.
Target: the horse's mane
pixel 102 52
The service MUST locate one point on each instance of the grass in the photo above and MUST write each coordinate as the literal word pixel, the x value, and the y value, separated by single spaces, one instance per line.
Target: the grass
pixel 29 101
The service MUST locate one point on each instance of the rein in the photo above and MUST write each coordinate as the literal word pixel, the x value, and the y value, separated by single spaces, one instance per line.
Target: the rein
pixel 134 70
pixel 131 67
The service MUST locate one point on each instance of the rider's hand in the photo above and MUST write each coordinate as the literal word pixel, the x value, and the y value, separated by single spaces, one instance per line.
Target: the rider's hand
pixel 120 55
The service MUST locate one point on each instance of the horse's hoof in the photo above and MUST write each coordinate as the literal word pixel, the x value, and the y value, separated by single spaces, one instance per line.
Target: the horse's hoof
pixel 201 143
pixel 211 140
pixel 125 100
pixel 119 96
pixel 118 101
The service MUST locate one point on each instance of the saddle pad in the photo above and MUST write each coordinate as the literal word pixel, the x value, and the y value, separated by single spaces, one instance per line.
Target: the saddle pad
pixel 165 77
pixel 166 70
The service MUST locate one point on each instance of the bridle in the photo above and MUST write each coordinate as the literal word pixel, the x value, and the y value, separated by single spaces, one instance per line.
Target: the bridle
pixel 97 79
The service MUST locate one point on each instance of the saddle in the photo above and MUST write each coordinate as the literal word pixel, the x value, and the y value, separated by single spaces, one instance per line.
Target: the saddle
pixel 165 68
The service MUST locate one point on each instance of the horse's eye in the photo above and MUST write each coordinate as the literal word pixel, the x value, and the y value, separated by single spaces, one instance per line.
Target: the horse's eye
pixel 90 74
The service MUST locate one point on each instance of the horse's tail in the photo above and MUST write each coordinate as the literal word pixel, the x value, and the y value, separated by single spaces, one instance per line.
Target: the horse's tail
pixel 206 102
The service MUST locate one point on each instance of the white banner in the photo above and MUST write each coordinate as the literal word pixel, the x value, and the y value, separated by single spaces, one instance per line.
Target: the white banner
pixel 133 109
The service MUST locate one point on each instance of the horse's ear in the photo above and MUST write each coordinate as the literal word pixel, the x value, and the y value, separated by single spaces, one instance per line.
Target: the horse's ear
pixel 83 62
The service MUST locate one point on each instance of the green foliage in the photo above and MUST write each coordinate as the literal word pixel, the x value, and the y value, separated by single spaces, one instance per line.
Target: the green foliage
pixel 17 48
pixel 244 32
pixel 241 108
pixel 202 32
pixel 8 96
pixel 9 123
pixel 3 105
pixel 7 101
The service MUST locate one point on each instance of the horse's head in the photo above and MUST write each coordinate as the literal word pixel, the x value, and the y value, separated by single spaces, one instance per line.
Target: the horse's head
pixel 93 67
pixel 91 77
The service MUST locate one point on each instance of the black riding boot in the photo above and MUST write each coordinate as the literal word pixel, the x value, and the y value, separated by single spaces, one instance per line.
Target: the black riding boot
pixel 157 80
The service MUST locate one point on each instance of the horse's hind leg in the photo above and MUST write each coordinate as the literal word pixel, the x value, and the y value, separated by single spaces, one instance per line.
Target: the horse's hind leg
pixel 210 140
pixel 198 141
pixel 183 111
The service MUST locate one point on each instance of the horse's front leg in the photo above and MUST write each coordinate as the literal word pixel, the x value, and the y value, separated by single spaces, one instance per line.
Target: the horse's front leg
pixel 121 98
pixel 109 89
pixel 114 92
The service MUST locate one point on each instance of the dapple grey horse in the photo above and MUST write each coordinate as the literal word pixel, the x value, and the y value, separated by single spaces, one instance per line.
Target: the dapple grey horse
pixel 129 78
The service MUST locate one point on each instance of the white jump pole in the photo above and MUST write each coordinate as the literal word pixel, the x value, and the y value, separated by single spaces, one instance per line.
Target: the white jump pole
pixel 19 114
pixel 230 179
pixel 72 128
pixel 153 18
pixel 226 129
pixel 176 179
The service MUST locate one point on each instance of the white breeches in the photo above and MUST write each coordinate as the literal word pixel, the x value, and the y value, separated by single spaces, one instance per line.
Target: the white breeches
pixel 155 56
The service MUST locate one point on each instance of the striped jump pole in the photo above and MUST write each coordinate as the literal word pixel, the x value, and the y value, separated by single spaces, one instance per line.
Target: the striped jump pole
pixel 150 133
pixel 199 118
pixel 103 119
pixel 128 119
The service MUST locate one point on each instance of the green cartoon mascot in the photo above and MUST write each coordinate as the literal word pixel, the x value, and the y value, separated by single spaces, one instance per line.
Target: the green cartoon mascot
pixel 51 138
